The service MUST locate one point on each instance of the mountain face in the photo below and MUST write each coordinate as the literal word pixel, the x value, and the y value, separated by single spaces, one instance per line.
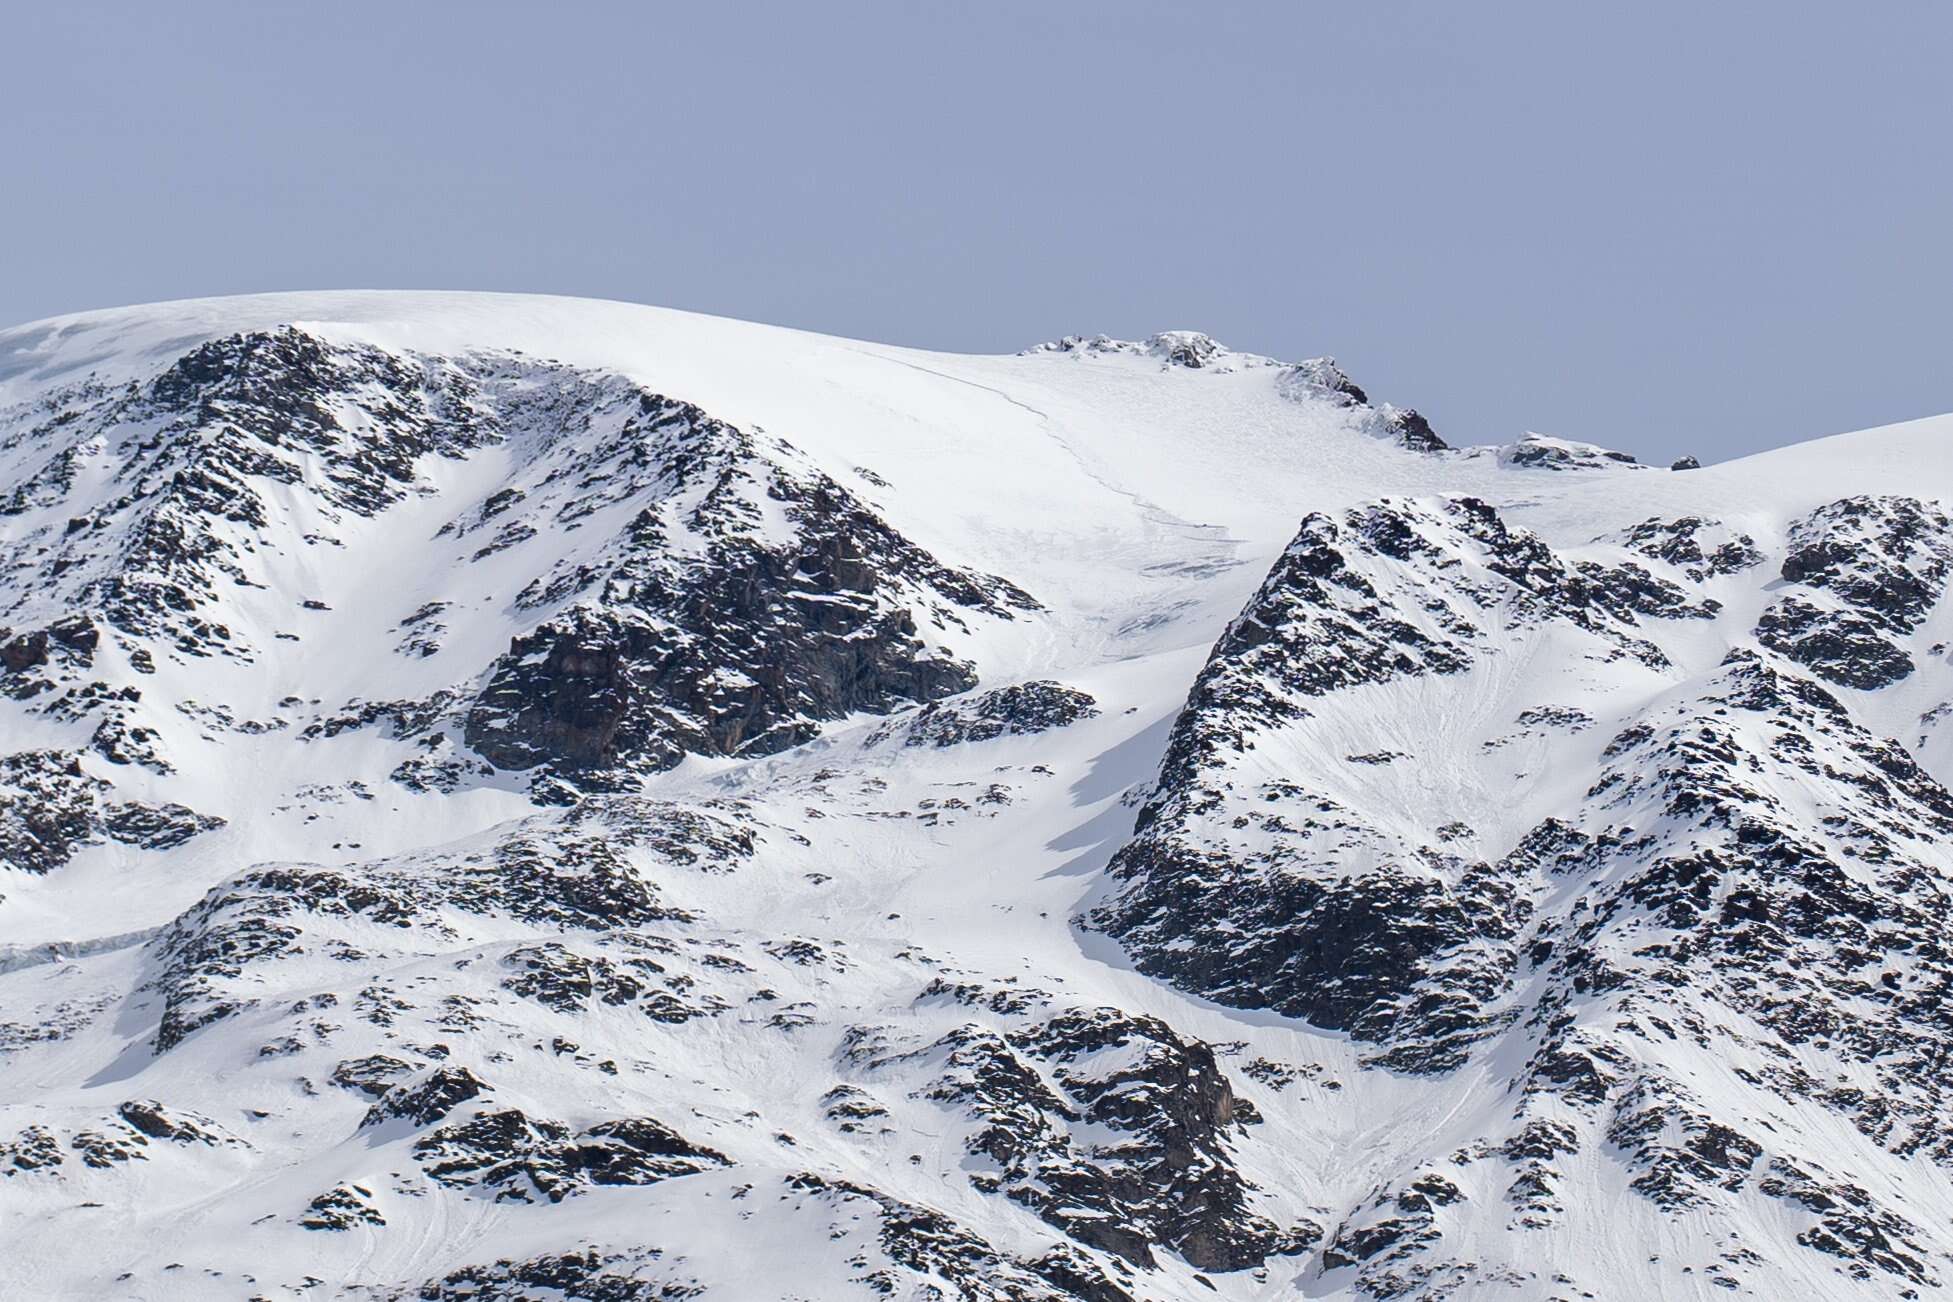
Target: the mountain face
pixel 519 798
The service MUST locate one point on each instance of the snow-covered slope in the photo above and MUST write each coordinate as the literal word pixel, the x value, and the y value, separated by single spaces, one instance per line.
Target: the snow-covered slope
pixel 509 797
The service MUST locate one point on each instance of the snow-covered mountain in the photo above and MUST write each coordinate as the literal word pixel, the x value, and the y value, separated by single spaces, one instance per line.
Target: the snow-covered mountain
pixel 509 797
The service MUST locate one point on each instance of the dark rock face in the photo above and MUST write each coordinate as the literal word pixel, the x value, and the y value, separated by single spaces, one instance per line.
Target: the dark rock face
pixel 1685 463
pixel 399 719
pixel 1324 379
pixel 24 652
pixel 1886 556
pixel 1631 588
pixel 555 975
pixel 567 708
pixel 1169 1174
pixel 48 809
pixel 1185 348
pixel 1843 647
pixel 1395 1225
pixel 704 628
pixel 156 827
pixel 1388 956
pixel 1413 431
pixel 150 1118
pixel 613 694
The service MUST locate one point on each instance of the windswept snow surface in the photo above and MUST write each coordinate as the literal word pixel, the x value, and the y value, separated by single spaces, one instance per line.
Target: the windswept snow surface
pixel 518 797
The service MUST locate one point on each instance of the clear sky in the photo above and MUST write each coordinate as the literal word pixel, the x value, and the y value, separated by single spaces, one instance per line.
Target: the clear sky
pixel 1665 227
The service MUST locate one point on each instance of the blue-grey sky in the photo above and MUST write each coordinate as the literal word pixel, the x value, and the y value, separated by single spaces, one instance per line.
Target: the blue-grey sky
pixel 1665 227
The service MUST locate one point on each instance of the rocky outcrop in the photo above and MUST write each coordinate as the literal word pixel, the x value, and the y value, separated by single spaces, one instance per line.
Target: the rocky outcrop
pixel 1417 948
pixel 1320 379
pixel 513 1157
pixel 1020 710
pixel 342 1207
pixel 1702 549
pixel 1109 1127
pixel 51 807
pixel 1684 906
pixel 1869 569
pixel 1543 452
pixel 746 600
pixel 917 1244
pixel 559 695
pixel 1174 349
pixel 204 448
pixel 427 1100
pixel 576 872
pixel 585 1275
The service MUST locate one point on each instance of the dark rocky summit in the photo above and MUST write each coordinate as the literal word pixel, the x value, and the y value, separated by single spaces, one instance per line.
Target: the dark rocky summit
pixel 737 598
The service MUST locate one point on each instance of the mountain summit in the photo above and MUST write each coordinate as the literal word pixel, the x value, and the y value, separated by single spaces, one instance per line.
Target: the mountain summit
pixel 507 797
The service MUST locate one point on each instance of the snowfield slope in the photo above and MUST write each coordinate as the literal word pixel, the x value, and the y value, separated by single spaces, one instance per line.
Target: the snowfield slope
pixel 511 797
